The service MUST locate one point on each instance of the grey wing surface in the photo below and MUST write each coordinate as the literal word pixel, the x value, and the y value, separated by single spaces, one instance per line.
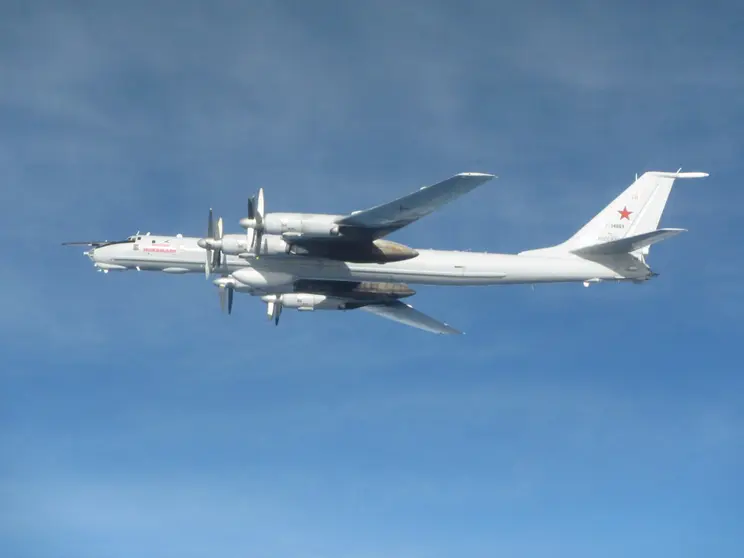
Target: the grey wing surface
pixel 388 217
pixel 406 314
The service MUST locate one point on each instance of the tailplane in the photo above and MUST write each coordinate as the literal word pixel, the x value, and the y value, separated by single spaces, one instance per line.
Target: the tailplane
pixel 629 244
pixel 628 224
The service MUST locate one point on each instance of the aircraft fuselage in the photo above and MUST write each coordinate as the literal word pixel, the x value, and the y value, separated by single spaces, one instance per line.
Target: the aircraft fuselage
pixel 178 254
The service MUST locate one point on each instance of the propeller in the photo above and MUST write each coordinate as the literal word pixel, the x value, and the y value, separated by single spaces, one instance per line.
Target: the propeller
pixel 274 310
pixel 255 221
pixel 212 245
pixel 226 292
pixel 226 286
pixel 217 256
pixel 252 207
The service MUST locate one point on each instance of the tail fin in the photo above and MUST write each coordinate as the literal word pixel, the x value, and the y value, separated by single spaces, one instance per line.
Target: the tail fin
pixel 634 212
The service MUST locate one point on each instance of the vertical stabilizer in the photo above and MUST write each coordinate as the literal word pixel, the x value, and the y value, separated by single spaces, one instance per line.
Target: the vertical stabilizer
pixel 634 212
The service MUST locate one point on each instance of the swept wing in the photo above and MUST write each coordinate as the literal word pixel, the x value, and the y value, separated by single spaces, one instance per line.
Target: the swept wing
pixel 383 219
pixel 406 314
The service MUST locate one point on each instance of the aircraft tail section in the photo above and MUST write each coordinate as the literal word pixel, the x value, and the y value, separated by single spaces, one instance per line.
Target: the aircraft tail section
pixel 629 223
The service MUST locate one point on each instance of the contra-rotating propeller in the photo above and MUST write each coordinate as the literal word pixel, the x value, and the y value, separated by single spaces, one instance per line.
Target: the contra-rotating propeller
pixel 212 245
pixel 226 286
pixel 255 221
pixel 274 310
pixel 273 307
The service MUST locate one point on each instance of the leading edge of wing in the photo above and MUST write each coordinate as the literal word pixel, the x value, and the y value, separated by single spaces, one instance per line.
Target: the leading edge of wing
pixel 402 211
pixel 406 314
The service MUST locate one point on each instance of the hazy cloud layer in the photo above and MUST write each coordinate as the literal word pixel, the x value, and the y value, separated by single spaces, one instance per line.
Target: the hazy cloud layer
pixel 138 420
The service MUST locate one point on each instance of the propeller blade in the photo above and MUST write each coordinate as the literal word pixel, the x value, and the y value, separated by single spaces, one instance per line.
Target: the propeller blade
pixel 204 243
pixel 257 240
pixel 255 221
pixel 216 262
pixel 226 286
pixel 273 308
pixel 277 313
pixel 260 206
pixel 270 309
pixel 252 207
pixel 249 236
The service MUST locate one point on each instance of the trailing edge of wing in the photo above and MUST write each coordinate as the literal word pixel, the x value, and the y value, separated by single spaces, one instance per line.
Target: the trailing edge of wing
pixel 629 243
pixel 403 211
pixel 405 314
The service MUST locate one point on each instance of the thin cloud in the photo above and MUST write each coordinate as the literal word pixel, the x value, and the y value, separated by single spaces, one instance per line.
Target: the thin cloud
pixel 141 416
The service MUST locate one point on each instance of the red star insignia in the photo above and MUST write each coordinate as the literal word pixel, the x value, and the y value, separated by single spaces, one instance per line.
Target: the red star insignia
pixel 624 213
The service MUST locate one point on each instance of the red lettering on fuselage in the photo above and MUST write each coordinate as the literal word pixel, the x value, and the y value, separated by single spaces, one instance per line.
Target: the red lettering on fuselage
pixel 158 249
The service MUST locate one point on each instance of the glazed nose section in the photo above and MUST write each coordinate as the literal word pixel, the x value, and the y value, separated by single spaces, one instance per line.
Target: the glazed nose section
pixel 91 254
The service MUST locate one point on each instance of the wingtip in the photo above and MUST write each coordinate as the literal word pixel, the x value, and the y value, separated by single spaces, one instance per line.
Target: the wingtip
pixel 477 175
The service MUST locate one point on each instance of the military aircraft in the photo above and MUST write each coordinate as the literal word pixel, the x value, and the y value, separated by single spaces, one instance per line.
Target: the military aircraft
pixel 344 262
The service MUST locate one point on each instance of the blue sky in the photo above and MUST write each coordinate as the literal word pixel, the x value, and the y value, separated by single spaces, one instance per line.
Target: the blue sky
pixel 137 420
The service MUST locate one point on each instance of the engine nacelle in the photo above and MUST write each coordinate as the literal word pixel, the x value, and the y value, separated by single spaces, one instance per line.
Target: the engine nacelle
pixel 255 279
pixel 301 224
pixel 273 245
pixel 234 244
pixel 306 301
pixel 377 251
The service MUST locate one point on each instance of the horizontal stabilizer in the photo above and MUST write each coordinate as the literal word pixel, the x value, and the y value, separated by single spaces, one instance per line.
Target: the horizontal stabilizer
pixel 633 214
pixel 629 243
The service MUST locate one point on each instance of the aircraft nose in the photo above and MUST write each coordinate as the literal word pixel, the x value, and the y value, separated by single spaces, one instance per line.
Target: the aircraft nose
pixel 91 254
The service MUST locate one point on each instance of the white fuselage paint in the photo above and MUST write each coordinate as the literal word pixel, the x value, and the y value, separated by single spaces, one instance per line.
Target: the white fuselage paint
pixel 432 267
